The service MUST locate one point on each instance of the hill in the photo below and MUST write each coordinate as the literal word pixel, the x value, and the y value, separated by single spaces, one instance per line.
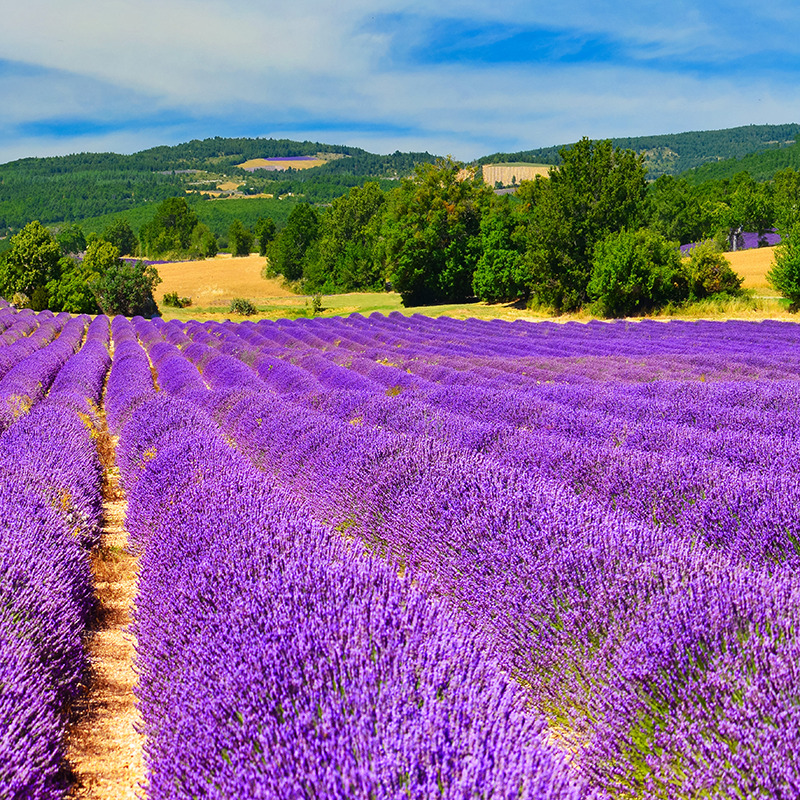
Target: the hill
pixel 86 185
pixel 675 153
pixel 761 166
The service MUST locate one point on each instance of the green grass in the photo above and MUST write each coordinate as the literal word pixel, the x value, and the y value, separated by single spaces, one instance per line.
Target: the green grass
pixel 366 303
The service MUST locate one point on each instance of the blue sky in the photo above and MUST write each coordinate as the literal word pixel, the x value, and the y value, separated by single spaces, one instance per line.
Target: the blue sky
pixel 463 78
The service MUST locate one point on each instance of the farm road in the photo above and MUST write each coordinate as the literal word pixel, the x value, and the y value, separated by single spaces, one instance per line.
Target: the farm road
pixel 104 750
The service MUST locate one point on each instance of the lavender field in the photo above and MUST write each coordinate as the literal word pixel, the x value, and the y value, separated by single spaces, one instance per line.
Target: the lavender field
pixel 396 557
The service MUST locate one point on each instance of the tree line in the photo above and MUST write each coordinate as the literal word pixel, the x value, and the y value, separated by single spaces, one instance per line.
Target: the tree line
pixel 68 273
pixel 676 153
pixel 593 232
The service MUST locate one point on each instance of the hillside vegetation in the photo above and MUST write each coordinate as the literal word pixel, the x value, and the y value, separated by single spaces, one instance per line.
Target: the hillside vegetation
pixel 674 153
pixel 87 185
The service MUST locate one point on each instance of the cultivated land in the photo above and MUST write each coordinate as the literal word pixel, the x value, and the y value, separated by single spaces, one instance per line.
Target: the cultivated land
pixel 513 172
pixel 214 282
pixel 753 266
pixel 281 163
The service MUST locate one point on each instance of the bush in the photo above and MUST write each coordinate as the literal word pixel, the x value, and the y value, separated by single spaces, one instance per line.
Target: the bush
pixel 120 287
pixel 636 271
pixel 171 299
pixel 239 305
pixel 710 272
pixel 785 275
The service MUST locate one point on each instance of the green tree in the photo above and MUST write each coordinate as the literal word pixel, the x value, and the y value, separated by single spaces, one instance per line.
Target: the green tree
pixel 288 252
pixel 345 258
pixel 203 243
pixel 121 235
pixel 119 286
pixel 264 231
pixel 71 240
pixel 675 210
pixel 597 190
pixel 240 239
pixel 72 291
pixel 750 206
pixel 635 271
pixel 432 235
pixel 170 230
pixel 710 272
pixel 786 198
pixel 785 275
pixel 500 274
pixel 30 262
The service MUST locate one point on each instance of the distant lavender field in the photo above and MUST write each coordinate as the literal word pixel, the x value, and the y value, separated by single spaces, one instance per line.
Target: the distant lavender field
pixel 748 240
pixel 413 557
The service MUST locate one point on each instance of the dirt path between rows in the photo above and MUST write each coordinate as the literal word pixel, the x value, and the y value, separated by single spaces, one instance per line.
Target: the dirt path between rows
pixel 104 750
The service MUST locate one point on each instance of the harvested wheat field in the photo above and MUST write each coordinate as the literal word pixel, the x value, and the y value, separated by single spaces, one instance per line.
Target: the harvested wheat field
pixel 280 164
pixel 753 266
pixel 216 281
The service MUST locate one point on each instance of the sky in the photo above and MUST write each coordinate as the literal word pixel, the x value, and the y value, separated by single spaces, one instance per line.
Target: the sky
pixel 466 78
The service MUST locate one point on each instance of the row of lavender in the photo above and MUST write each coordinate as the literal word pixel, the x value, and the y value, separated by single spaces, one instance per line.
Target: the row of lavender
pixel 51 376
pixel 277 659
pixel 618 547
pixel 627 548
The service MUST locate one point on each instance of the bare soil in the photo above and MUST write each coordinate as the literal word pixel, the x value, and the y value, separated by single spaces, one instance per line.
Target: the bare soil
pixel 104 749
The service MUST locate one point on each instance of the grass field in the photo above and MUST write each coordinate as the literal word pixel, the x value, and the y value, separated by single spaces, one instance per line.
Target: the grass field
pixel 213 283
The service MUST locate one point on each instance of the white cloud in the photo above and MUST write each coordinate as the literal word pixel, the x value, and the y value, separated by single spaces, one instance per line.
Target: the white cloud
pixel 162 71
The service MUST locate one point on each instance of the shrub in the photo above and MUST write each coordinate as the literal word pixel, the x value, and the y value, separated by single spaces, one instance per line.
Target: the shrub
pixel 785 275
pixel 710 272
pixel 120 287
pixel 635 271
pixel 171 299
pixel 240 305
pixel 316 304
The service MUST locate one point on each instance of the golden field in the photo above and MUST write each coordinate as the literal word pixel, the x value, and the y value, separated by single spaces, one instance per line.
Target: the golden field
pixel 504 173
pixel 214 282
pixel 753 266
pixel 281 164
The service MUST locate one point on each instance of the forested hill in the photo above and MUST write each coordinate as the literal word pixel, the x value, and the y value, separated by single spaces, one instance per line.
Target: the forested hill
pixel 76 187
pixel 674 153
pixel 761 166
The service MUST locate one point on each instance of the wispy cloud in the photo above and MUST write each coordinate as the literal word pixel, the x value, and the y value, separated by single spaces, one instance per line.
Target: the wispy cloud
pixel 465 78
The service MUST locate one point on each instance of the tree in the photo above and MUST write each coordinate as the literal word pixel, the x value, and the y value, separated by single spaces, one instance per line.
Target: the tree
pixel 170 230
pixel 288 252
pixel 431 233
pixel 119 286
pixel 499 274
pixel 675 210
pixel 240 239
pixel 121 235
pixel 710 272
pixel 264 231
pixel 203 243
pixel 785 275
pixel 30 262
pixel 635 271
pixel 72 291
pixel 71 240
pixel 597 190
pixel 786 198
pixel 346 258
pixel 750 207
